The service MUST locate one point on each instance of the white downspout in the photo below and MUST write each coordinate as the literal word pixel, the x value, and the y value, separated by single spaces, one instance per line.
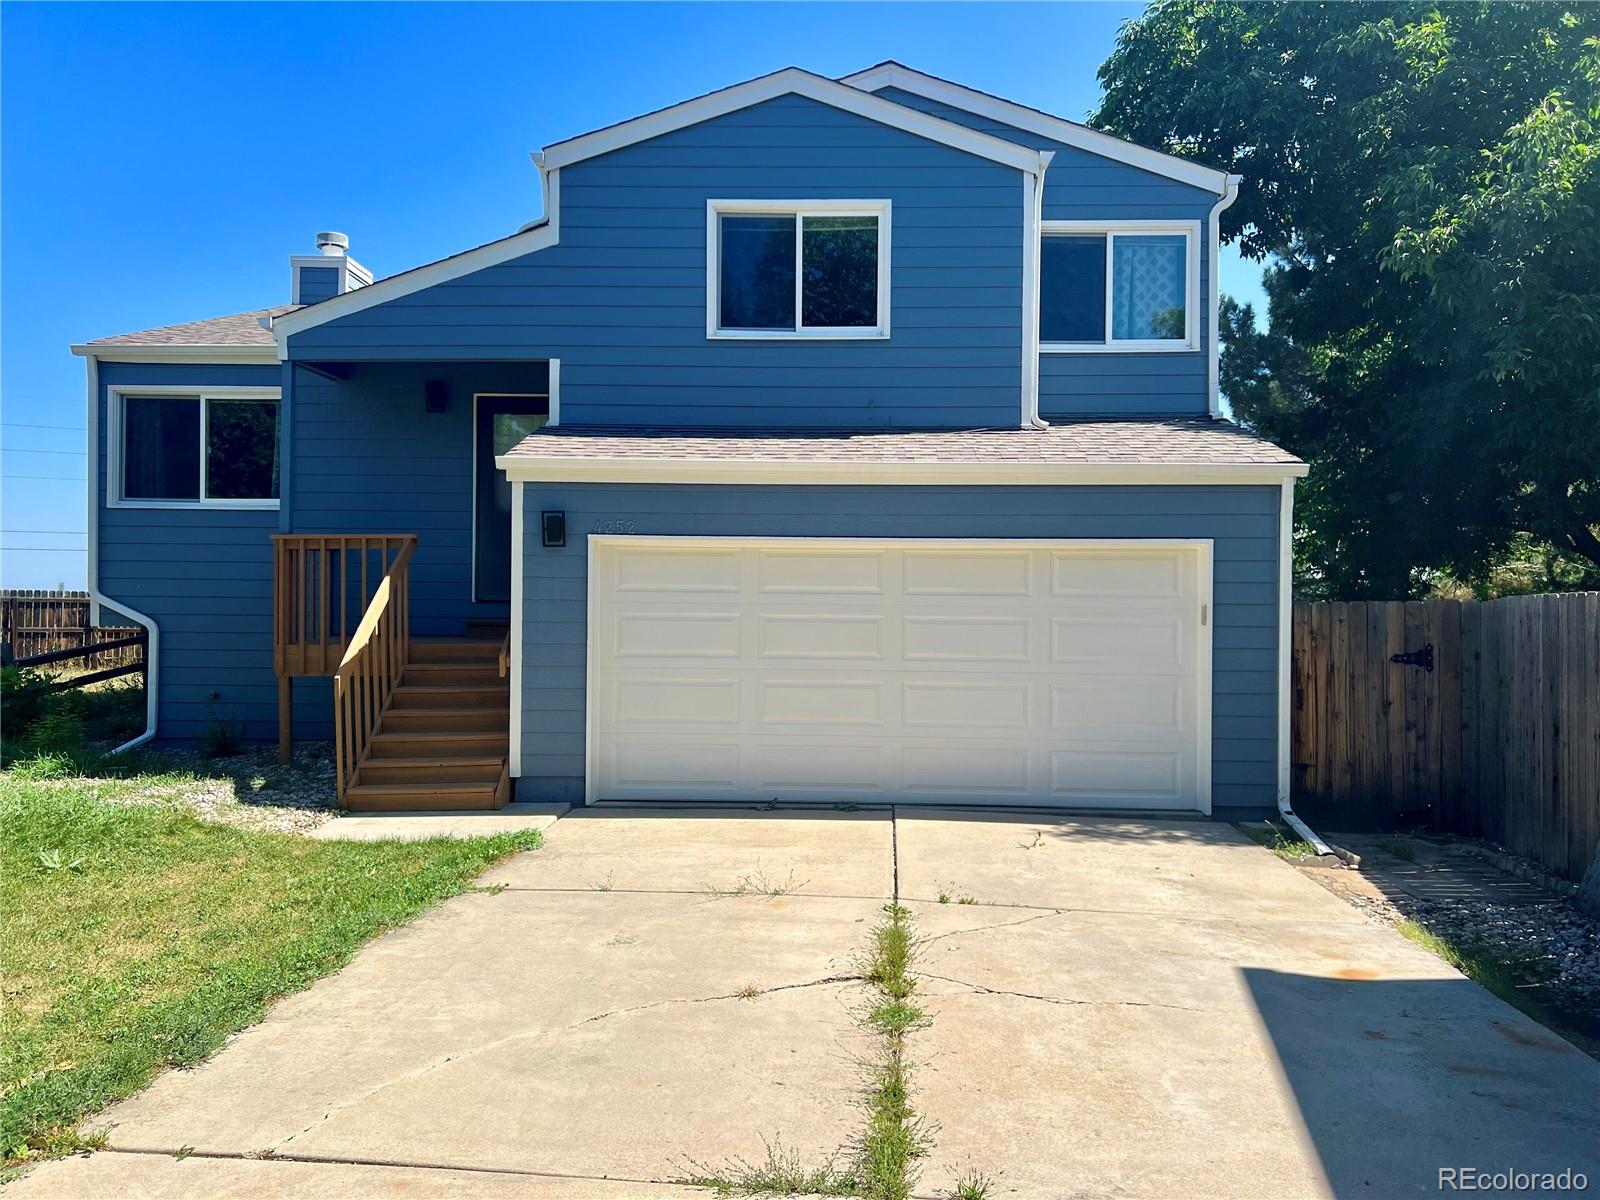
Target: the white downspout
pixel 1032 251
pixel 97 599
pixel 1230 193
pixel 1285 622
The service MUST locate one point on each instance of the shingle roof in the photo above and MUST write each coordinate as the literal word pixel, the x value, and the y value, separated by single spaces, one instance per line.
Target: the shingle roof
pixel 236 329
pixel 1134 441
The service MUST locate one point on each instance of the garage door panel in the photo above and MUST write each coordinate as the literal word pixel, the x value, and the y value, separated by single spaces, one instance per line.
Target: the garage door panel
pixel 1099 776
pixel 919 671
pixel 820 702
pixel 820 574
pixel 955 638
pixel 963 573
pixel 960 705
pixel 819 636
pixel 676 635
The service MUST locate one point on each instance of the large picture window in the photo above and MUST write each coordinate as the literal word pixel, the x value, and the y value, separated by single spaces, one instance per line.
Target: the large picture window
pixel 1109 288
pixel 797 269
pixel 201 449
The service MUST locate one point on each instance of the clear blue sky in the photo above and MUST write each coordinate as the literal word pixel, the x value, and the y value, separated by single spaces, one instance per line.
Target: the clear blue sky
pixel 161 162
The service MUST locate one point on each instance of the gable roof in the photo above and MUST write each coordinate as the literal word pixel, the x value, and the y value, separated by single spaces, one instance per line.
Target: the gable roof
pixel 237 337
pixel 790 81
pixel 1059 129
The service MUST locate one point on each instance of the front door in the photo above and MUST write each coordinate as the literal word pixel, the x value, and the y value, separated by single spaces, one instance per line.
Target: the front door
pixel 498 423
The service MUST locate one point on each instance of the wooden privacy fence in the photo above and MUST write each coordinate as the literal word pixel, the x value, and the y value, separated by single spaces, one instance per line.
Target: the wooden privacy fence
pixel 1478 718
pixel 35 622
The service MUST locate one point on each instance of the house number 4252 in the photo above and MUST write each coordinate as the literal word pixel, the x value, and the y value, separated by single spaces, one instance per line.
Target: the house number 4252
pixel 614 527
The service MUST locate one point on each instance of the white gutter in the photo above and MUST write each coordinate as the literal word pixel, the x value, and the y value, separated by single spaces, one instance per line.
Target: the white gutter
pixel 1285 621
pixel 1230 193
pixel 1032 254
pixel 97 599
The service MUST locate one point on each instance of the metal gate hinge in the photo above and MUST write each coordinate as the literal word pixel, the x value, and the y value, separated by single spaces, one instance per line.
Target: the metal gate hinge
pixel 1415 658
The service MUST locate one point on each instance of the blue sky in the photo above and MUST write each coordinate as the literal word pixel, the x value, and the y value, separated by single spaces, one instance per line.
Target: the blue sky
pixel 161 162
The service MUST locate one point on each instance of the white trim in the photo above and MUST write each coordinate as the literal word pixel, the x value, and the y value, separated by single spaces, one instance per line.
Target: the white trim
pixel 1190 231
pixel 202 394
pixel 530 469
pixel 892 74
pixel 1203 548
pixel 790 80
pixel 98 599
pixel 1032 250
pixel 1214 349
pixel 220 355
pixel 537 237
pixel 514 746
pixel 880 210
pixel 472 443
pixel 350 274
pixel 1285 621
pixel 553 385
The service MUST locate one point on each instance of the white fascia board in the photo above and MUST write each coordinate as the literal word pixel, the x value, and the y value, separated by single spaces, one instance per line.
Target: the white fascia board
pixel 415 280
pixel 527 469
pixel 790 80
pixel 1031 119
pixel 219 355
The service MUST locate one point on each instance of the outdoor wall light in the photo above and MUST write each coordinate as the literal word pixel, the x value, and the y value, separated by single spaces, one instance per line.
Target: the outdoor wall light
pixel 553 527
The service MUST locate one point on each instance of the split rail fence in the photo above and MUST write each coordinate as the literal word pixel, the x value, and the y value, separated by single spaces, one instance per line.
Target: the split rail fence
pixel 1473 717
pixel 35 622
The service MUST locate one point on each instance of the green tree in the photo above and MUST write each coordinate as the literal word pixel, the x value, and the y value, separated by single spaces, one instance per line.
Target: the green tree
pixel 1425 181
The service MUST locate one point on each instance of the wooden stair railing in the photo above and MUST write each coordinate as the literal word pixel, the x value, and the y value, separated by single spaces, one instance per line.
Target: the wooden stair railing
pixel 370 669
pixel 322 585
pixel 505 656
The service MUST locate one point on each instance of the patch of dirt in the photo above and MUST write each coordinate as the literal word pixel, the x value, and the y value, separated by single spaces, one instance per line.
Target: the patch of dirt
pixel 250 790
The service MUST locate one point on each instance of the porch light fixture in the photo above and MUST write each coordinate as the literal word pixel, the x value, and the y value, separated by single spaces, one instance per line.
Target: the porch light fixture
pixel 553 527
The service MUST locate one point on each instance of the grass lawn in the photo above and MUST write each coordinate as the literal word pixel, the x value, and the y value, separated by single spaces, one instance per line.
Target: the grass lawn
pixel 135 937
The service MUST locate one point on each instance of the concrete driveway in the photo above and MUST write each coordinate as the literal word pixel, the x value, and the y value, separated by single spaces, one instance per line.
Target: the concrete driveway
pixel 1119 1008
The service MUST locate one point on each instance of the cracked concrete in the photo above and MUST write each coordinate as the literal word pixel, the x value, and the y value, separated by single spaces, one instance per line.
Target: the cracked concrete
pixel 1132 1009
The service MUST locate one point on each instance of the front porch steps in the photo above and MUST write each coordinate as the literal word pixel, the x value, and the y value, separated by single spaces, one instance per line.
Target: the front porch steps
pixel 444 741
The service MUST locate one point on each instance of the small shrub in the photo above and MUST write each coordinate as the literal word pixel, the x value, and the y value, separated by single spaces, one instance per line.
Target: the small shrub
pixel 24 696
pixel 224 736
pixel 57 733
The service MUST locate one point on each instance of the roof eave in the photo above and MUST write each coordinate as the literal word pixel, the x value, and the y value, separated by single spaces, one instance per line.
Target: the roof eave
pixel 178 353
pixel 1020 116
pixel 526 468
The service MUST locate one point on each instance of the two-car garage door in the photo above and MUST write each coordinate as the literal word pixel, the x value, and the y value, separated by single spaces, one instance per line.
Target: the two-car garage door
pixel 1000 672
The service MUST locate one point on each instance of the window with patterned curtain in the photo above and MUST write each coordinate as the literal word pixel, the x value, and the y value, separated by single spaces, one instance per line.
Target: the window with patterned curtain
pixel 1147 287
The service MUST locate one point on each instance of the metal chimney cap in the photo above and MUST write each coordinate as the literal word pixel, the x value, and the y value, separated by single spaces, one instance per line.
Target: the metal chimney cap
pixel 329 242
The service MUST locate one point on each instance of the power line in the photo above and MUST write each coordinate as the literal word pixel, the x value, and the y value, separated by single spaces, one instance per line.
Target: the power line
pixel 47 549
pixel 45 478
pixel 68 532
pixel 30 425
pixel 31 450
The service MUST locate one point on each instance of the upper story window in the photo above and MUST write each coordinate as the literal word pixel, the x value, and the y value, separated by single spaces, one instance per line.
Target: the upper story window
pixel 218 449
pixel 1121 286
pixel 797 269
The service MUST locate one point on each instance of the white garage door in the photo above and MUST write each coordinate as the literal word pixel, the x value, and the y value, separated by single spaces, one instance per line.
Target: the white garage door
pixel 1061 673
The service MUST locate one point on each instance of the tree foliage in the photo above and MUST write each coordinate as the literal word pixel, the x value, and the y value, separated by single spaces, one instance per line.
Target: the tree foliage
pixel 1425 182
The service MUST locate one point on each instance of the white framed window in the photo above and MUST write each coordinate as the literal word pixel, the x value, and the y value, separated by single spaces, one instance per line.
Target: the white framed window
pixel 1119 286
pixel 797 269
pixel 193 447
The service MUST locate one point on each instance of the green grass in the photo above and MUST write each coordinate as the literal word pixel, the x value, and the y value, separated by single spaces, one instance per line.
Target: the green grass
pixel 1271 835
pixel 1505 977
pixel 780 1173
pixel 894 1137
pixel 136 937
pixel 1396 849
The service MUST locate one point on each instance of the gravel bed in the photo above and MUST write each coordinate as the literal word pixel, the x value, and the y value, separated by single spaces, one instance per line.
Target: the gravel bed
pixel 250 790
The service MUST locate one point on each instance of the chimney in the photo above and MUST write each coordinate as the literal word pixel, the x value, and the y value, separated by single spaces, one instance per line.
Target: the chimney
pixel 327 273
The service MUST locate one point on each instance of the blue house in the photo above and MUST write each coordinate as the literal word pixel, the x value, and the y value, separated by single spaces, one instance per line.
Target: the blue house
pixel 826 440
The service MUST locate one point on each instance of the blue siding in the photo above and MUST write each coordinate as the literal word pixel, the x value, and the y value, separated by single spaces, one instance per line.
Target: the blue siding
pixel 317 283
pixel 370 459
pixel 1081 186
pixel 621 299
pixel 1242 521
pixel 203 575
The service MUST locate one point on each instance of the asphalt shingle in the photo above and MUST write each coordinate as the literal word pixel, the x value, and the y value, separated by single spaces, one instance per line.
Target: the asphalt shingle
pixel 236 329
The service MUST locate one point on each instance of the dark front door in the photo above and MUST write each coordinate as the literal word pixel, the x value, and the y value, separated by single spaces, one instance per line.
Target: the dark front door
pixel 498 423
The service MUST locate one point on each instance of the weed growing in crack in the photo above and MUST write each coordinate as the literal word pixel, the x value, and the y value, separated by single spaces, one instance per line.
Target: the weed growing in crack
pixel 972 1186
pixel 897 1017
pixel 780 1173
pixel 1038 840
pixel 748 992
pixel 606 884
pixel 944 895
pixel 758 883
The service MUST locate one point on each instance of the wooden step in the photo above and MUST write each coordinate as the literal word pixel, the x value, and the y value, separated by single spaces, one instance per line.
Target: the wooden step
pixel 422 797
pixel 454 650
pixel 433 674
pixel 445 720
pixel 453 695
pixel 440 769
pixel 494 631
pixel 429 745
